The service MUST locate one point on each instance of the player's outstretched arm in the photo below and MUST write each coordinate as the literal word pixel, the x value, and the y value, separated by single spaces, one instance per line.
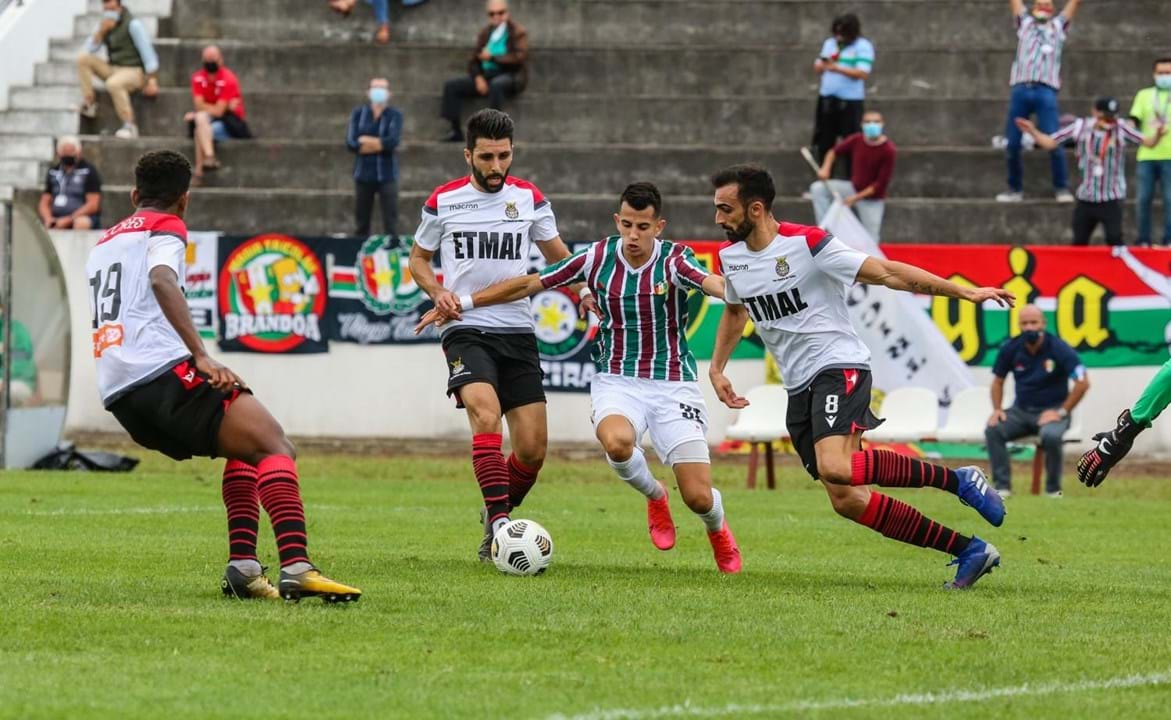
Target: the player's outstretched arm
pixel 424 274
pixel 901 276
pixel 502 292
pixel 1070 9
pixel 713 286
pixel 164 283
pixel 728 334
pixel 1016 6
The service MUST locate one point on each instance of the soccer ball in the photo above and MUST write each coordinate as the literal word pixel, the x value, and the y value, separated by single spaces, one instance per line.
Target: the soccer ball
pixel 522 547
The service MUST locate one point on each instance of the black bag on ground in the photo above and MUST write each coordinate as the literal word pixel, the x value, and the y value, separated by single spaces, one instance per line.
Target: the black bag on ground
pixel 68 457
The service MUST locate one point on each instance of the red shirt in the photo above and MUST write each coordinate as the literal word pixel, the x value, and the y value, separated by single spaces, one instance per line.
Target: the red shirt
pixel 221 86
pixel 870 164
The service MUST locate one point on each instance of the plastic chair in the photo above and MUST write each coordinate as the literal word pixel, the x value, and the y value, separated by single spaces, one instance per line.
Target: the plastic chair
pixel 911 413
pixel 762 422
pixel 967 416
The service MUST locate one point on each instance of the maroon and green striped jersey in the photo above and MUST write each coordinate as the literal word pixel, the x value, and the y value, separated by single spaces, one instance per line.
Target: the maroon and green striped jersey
pixel 643 330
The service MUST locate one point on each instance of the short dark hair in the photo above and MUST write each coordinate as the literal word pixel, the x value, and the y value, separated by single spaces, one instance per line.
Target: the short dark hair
pixel 753 182
pixel 1160 61
pixel 641 195
pixel 849 26
pixel 489 124
pixel 161 177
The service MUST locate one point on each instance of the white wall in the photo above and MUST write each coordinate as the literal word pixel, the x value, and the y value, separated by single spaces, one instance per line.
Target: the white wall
pixel 25 32
pixel 388 391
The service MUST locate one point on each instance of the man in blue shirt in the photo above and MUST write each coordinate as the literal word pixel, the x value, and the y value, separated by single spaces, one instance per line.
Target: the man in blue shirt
pixel 1042 366
pixel 374 132
pixel 844 63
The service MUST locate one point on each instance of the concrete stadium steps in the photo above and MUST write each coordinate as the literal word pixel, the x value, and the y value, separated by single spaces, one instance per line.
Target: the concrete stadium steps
pixel 627 23
pixel 598 119
pixel 663 70
pixel 571 169
pixel 588 216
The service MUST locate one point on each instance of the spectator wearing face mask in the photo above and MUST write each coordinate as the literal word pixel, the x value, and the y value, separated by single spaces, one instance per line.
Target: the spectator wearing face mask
pixel 1042 366
pixel 219 110
pixel 873 163
pixel 374 132
pixel 1150 111
pixel 844 64
pixel 132 65
pixel 1101 157
pixel 72 199
pixel 1035 80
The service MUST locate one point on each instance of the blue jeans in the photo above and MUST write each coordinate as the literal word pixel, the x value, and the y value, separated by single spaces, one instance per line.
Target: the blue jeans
pixel 381 10
pixel 1027 99
pixel 1150 172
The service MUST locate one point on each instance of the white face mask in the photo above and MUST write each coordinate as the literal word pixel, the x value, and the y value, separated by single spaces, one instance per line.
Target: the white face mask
pixel 1163 81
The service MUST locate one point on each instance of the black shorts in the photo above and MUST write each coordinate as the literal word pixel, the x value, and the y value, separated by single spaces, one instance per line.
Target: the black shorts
pixel 837 402
pixel 178 413
pixel 509 362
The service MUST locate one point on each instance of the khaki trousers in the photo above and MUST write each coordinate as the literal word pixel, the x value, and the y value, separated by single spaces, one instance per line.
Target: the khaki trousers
pixel 120 82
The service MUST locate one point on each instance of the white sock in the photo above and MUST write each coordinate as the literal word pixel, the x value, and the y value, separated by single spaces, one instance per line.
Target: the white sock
pixel 713 519
pixel 635 472
pixel 499 524
pixel 248 568
pixel 297 568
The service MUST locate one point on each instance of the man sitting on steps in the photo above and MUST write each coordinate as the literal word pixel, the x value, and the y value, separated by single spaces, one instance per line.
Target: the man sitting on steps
pixel 133 65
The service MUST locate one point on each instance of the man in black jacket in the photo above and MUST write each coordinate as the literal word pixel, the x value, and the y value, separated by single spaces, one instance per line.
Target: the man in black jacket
pixel 496 68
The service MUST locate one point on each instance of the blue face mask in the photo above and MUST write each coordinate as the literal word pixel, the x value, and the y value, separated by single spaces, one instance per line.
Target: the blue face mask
pixel 1031 336
pixel 1163 82
pixel 379 96
pixel 111 14
pixel 872 130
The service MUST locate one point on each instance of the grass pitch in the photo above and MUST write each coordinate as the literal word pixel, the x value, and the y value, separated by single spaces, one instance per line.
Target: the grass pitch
pixel 111 605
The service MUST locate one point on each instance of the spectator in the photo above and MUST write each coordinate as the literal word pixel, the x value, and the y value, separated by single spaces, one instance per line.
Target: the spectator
pixel 496 69
pixel 1035 80
pixel 23 376
pixel 873 163
pixel 1150 112
pixel 381 14
pixel 845 62
pixel 374 132
pixel 133 65
pixel 1101 156
pixel 219 110
pixel 1042 366
pixel 72 199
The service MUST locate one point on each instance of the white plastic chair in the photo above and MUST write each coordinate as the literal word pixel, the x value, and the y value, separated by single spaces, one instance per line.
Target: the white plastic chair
pixel 911 414
pixel 967 416
pixel 762 422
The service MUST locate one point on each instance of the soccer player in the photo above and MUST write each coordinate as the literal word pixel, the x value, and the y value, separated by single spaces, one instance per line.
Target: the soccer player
pixel 484 225
pixel 1113 445
pixel 646 374
pixel 791 281
pixel 156 378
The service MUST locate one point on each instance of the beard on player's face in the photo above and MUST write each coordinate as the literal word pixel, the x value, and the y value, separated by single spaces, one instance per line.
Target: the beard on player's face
pixel 739 233
pixel 493 182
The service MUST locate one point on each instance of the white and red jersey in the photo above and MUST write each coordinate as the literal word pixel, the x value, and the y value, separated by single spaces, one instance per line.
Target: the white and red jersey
pixel 795 293
pixel 132 339
pixel 485 238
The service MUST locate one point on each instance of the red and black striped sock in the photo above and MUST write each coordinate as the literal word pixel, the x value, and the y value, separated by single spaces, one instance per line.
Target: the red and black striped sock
pixel 892 469
pixel 521 479
pixel 242 500
pixel 899 521
pixel 491 474
pixel 281 497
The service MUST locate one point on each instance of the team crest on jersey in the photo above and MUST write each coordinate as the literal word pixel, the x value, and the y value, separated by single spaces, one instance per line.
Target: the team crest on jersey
pixel 783 267
pixel 457 367
pixel 661 288
pixel 272 294
pixel 560 332
pixel 383 277
pixel 510 210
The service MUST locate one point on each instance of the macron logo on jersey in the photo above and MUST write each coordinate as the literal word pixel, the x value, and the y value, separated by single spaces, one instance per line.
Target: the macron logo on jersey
pixel 775 306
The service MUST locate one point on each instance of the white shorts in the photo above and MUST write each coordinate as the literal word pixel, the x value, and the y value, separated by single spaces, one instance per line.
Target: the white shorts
pixel 673 411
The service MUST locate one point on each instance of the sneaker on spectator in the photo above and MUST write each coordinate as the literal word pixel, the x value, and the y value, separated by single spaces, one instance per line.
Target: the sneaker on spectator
pixel 88 110
pixel 1010 196
pixel 1054 495
pixel 806 195
pixel 129 131
pixel 1063 196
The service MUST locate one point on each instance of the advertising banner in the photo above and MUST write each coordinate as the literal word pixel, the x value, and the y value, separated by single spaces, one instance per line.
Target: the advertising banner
pixel 373 300
pixel 200 283
pixel 272 294
pixel 1112 305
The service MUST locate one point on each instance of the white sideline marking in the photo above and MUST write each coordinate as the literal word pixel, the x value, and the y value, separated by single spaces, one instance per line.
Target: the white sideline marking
pixel 805 706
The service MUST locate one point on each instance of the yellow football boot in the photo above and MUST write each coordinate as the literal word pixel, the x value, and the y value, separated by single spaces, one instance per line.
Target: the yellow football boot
pixel 312 583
